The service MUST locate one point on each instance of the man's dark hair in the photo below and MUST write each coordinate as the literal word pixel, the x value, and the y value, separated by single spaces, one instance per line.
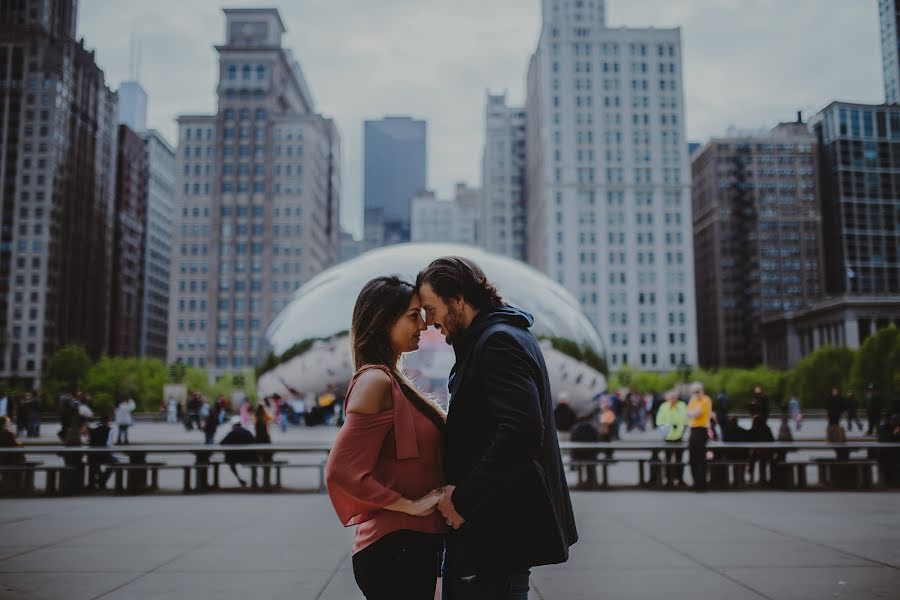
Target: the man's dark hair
pixel 454 276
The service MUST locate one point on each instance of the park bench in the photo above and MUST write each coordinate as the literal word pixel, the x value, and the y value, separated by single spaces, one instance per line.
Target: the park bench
pixel 137 476
pixel 848 473
pixel 19 480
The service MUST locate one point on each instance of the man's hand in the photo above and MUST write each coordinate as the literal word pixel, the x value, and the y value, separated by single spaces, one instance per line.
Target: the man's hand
pixel 445 505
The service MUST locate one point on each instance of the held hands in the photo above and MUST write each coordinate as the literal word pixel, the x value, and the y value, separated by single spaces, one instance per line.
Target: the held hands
pixel 439 499
pixel 445 505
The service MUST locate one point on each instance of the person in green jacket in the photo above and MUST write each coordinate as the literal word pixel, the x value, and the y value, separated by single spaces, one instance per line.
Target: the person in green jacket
pixel 672 417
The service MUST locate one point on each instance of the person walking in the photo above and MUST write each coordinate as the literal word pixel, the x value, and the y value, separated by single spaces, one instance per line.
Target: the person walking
pixel 262 418
pixel 124 420
pixel 852 412
pixel 506 498
pixel 699 409
pixel 759 404
pixel 720 408
pixel 672 417
pixel 211 423
pixel 171 410
pixel 33 414
pixel 795 413
pixel 874 406
pixel 834 408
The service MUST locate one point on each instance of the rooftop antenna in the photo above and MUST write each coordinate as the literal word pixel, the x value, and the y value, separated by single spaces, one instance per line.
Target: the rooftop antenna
pixel 134 58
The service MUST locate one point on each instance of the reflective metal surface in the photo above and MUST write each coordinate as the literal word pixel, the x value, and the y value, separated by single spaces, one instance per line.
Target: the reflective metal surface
pixel 307 350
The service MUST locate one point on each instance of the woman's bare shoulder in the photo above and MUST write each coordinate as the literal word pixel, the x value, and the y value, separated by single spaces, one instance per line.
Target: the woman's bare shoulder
pixel 371 393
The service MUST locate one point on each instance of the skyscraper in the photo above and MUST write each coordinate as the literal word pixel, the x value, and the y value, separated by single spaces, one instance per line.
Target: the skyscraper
pixel 859 188
pixel 126 302
pixel 158 234
pixel 258 187
pixel 757 243
pixel 608 186
pixel 57 180
pixel 860 182
pixel 151 329
pixel 503 179
pixel 395 170
pixel 890 49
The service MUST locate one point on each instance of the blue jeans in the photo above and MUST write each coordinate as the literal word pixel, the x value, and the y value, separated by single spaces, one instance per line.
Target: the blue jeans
pixel 488 586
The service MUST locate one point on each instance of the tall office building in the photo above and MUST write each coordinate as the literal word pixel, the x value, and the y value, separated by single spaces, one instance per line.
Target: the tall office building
pixel 608 186
pixel 757 246
pixel 503 179
pixel 57 185
pixel 453 221
pixel 395 170
pixel 157 245
pixel 859 187
pixel 258 198
pixel 133 106
pixel 890 49
pixel 126 302
pixel 152 327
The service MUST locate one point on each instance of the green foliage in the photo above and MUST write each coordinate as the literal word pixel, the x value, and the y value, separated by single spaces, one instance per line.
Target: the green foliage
pixel 65 371
pixel 814 376
pixel 116 378
pixel 876 362
pixel 297 349
pixel 197 380
pixel 245 380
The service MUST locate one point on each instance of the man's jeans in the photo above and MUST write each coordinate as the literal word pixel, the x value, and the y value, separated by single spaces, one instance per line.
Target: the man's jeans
pixel 493 586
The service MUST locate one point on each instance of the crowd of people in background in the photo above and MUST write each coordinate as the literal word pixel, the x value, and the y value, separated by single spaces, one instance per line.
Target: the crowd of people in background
pixel 688 413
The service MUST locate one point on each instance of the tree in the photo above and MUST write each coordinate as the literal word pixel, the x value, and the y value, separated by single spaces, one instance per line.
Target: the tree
pixel 66 371
pixel 814 376
pixel 116 378
pixel 873 363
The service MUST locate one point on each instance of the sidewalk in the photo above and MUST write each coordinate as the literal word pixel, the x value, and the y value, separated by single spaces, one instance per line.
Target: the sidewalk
pixel 634 545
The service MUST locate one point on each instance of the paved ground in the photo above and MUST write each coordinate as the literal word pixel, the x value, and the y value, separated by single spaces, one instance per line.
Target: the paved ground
pixel 633 545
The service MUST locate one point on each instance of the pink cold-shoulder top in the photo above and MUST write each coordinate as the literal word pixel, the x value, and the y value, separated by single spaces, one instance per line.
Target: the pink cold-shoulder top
pixel 380 458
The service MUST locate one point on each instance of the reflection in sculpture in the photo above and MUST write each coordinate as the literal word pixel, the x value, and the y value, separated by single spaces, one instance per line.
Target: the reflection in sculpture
pixel 307 348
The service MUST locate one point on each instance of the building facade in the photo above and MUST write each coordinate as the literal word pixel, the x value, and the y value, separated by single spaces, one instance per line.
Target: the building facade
pixel 757 246
pixel 126 301
pixel 157 245
pixel 859 178
pixel 890 49
pixel 57 186
pixel 608 186
pixel 395 169
pixel 258 199
pixel 455 221
pixel 503 179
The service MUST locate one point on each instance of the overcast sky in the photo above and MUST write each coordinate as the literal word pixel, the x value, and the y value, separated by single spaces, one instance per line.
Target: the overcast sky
pixel 747 63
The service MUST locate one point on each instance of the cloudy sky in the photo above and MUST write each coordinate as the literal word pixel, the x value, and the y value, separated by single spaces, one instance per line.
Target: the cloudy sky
pixel 747 63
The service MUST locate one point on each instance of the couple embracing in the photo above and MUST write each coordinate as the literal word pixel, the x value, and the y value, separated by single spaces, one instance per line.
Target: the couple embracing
pixel 476 495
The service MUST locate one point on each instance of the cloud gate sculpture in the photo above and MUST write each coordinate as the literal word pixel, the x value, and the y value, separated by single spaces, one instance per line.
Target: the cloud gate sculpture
pixel 306 349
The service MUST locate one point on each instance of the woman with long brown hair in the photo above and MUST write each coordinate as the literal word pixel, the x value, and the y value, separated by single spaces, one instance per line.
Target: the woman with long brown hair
pixel 384 472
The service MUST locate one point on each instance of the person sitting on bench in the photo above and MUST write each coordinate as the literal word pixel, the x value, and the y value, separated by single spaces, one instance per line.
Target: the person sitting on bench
pixel 236 437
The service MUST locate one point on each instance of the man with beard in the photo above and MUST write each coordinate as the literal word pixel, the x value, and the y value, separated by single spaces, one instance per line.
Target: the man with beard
pixel 506 499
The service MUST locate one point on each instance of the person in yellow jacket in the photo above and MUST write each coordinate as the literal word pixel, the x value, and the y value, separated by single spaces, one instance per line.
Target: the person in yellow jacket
pixel 699 409
pixel 672 417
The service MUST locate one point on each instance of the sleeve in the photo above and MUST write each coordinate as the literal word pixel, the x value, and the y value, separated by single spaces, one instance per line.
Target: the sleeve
pixel 514 400
pixel 355 493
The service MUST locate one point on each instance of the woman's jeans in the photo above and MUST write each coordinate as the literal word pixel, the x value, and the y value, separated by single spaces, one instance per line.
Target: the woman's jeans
pixel 401 565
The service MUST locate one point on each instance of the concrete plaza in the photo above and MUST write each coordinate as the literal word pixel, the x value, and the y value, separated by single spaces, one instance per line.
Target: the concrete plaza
pixel 634 544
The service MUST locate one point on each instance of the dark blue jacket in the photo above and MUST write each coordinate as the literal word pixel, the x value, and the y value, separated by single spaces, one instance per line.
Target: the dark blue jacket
pixel 501 450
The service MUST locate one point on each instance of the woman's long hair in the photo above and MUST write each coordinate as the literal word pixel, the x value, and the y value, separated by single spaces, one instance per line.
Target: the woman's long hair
pixel 380 304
